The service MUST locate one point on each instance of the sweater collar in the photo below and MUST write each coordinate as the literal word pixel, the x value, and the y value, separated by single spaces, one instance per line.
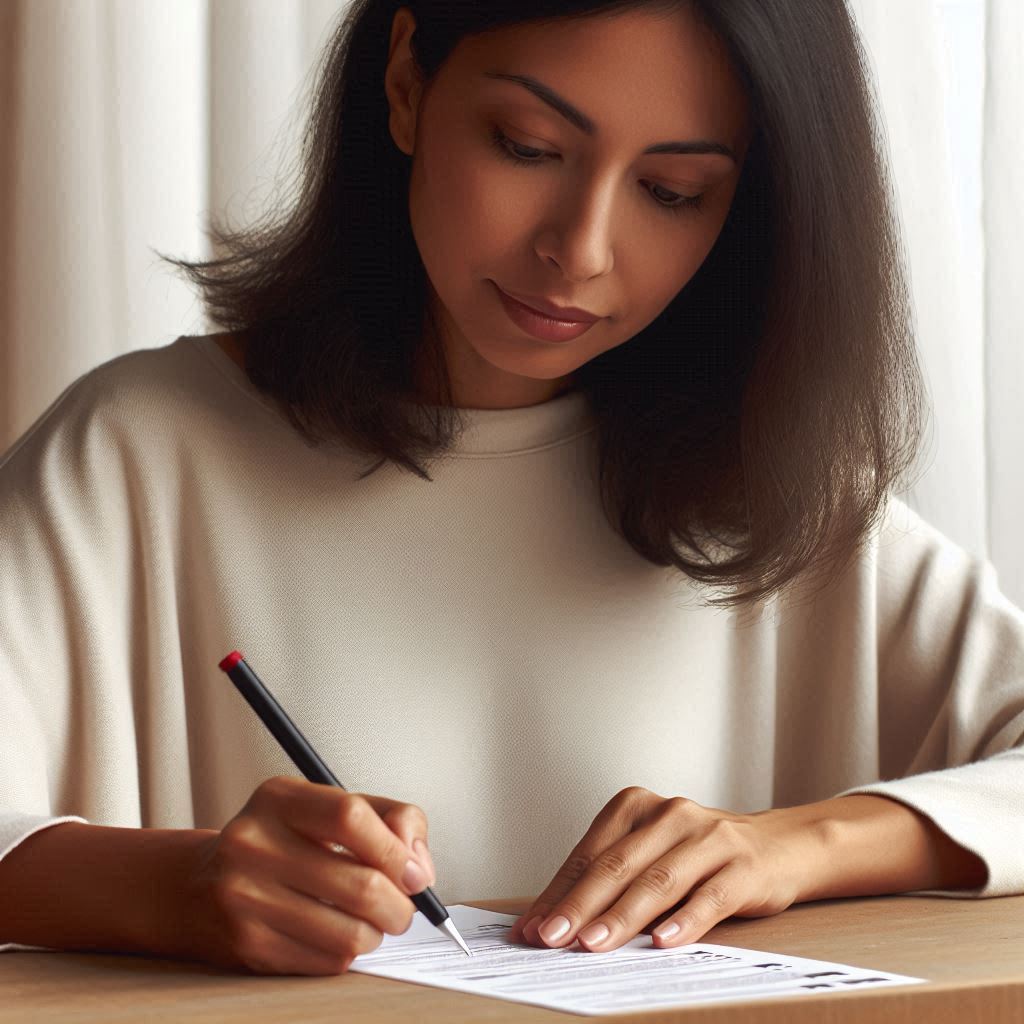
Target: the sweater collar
pixel 485 432
pixel 507 431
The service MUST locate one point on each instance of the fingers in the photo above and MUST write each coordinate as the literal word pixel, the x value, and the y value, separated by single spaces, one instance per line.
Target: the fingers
pixel 618 894
pixel 409 823
pixel 567 876
pixel 615 891
pixel 602 925
pixel 340 880
pixel 331 815
pixel 274 953
pixel 656 888
pixel 718 898
pixel 286 932
pixel 615 821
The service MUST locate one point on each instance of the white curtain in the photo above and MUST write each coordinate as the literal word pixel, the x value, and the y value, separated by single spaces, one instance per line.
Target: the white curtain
pixel 126 123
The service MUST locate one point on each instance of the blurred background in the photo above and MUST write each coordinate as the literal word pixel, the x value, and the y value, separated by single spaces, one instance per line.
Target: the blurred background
pixel 127 123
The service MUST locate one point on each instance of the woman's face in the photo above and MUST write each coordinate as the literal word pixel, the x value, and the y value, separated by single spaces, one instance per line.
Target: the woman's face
pixel 590 225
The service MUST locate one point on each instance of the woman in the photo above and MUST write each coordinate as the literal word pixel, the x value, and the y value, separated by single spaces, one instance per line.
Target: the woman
pixel 652 639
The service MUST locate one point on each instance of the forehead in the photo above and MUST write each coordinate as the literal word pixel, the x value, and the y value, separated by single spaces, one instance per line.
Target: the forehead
pixel 630 72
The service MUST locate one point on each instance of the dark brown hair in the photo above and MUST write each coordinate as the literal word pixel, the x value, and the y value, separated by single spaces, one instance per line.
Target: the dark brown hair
pixel 763 417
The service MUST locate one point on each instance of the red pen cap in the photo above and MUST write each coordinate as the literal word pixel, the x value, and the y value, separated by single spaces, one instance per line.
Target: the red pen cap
pixel 231 661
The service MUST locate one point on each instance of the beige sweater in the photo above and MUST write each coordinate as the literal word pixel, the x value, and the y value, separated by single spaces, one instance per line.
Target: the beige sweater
pixel 484 645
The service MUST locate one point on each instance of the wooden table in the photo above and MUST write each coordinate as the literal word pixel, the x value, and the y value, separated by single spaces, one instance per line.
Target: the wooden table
pixel 972 952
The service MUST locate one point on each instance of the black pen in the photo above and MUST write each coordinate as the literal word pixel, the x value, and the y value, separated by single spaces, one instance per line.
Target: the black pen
pixel 306 759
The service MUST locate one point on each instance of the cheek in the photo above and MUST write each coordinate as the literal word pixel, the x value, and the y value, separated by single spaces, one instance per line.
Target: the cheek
pixel 457 206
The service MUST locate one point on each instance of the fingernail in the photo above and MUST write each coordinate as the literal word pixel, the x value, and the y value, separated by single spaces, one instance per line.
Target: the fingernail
pixel 666 931
pixel 593 934
pixel 413 878
pixel 426 860
pixel 530 932
pixel 553 930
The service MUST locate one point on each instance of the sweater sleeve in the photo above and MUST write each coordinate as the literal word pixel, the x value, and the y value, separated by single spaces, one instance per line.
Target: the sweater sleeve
pixel 951 696
pixel 61 581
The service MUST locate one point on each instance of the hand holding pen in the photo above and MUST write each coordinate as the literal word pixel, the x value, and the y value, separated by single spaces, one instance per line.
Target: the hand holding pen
pixel 278 899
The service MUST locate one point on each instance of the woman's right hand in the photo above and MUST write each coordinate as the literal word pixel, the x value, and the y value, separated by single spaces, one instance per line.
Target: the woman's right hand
pixel 268 894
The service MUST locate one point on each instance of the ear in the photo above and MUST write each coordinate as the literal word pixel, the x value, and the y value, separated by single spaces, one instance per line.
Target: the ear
pixel 402 83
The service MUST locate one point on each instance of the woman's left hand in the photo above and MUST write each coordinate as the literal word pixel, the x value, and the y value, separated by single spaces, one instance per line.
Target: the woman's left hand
pixel 644 855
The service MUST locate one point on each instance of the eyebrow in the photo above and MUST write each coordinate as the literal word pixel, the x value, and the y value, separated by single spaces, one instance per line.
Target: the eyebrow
pixel 586 125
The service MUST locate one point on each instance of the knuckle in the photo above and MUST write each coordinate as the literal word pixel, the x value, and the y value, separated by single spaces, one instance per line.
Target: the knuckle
pixel 276 787
pixel 414 815
pixel 351 813
pixel 678 805
pixel 613 866
pixel 233 892
pixel 242 836
pixel 727 832
pixel 365 938
pixel 376 884
pixel 631 795
pixel 715 894
pixel 748 858
pixel 660 879
pixel 635 802
pixel 572 870
pixel 369 889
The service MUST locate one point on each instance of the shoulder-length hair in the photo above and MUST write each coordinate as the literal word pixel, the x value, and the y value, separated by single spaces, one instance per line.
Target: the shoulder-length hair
pixel 763 417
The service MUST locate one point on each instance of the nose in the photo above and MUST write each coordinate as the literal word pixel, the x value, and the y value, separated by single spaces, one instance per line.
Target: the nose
pixel 578 238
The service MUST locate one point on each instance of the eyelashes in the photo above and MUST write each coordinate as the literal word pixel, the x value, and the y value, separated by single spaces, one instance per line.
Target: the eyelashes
pixel 507 149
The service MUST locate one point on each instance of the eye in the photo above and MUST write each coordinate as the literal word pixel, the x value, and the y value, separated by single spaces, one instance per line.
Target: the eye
pixel 527 156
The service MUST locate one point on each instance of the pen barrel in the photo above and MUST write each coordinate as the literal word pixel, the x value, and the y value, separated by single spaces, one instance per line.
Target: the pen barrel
pixel 430 906
pixel 284 730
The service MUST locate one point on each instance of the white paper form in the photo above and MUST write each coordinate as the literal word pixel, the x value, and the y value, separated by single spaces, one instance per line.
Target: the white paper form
pixel 636 976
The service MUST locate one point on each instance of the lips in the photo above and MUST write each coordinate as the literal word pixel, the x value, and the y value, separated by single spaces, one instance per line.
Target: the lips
pixel 539 325
pixel 567 314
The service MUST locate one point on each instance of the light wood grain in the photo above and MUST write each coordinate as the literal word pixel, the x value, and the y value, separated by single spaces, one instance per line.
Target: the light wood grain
pixel 971 952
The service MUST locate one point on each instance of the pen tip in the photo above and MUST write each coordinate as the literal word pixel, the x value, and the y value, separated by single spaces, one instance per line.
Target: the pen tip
pixel 449 926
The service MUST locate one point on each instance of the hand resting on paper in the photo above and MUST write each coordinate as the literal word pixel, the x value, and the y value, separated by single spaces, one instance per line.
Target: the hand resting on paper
pixel 644 854
pixel 648 864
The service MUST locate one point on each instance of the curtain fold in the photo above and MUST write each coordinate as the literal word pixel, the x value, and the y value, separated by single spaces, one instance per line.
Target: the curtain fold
pixel 106 109
pixel 131 122
pixel 1003 221
pixel 905 48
